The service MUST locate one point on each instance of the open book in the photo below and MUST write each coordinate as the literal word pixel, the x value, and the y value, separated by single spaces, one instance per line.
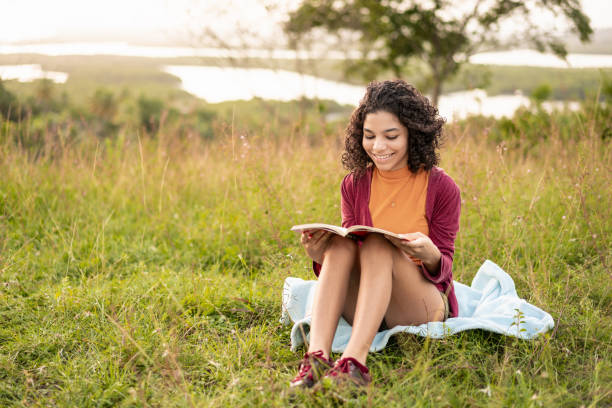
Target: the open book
pixel 356 231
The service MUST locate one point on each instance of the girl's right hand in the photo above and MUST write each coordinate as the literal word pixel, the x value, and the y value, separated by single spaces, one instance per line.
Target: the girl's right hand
pixel 315 243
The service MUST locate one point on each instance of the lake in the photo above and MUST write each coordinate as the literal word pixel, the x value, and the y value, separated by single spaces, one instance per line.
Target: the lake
pixel 217 84
pixel 30 72
pixel 514 57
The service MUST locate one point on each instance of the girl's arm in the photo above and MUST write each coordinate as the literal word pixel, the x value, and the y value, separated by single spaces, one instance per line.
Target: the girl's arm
pixel 436 250
pixel 347 210
pixel 347 202
pixel 443 228
pixel 420 246
pixel 315 243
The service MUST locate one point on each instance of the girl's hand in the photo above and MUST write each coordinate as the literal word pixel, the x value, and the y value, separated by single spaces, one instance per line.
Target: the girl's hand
pixel 315 243
pixel 418 245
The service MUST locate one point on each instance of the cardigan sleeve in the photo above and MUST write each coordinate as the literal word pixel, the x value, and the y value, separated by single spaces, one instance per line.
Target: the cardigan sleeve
pixel 347 201
pixel 443 228
pixel 347 206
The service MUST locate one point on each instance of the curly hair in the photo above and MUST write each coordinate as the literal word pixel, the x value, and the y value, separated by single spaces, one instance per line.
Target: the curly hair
pixel 412 109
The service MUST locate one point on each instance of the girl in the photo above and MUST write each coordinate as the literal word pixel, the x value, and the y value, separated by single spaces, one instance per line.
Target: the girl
pixel 380 282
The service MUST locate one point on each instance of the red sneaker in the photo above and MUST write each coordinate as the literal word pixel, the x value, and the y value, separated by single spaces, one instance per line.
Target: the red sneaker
pixel 349 369
pixel 312 368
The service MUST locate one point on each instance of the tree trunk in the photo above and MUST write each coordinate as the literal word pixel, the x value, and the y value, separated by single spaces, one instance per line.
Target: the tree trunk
pixel 437 90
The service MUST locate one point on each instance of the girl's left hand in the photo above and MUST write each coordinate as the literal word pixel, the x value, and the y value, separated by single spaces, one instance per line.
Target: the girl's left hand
pixel 418 245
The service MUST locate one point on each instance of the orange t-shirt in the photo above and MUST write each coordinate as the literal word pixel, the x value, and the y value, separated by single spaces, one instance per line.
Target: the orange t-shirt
pixel 397 200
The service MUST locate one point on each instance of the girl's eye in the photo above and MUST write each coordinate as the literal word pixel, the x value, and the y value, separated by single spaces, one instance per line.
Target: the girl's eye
pixel 369 136
pixel 392 137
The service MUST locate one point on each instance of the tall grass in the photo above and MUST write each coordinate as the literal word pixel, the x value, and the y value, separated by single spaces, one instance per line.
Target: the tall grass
pixel 147 271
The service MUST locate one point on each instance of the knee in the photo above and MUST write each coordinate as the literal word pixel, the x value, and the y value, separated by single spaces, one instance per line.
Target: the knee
pixel 341 245
pixel 376 243
pixel 376 254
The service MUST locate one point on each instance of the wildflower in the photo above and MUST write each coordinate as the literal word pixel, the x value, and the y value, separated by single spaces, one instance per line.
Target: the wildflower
pixel 486 390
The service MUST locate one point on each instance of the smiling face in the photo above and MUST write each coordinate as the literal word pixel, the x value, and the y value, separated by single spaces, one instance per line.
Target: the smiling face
pixel 385 140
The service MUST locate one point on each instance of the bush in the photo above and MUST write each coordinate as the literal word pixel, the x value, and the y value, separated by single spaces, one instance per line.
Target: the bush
pixel 541 93
pixel 8 104
pixel 530 127
pixel 149 112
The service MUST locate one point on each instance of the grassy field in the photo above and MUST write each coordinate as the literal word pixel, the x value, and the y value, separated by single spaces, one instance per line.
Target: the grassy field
pixel 147 270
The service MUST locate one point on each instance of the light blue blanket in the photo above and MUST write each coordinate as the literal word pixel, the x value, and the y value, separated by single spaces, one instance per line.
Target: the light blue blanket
pixel 491 303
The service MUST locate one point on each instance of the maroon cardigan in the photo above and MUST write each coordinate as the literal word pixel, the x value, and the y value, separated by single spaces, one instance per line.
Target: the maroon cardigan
pixel 442 210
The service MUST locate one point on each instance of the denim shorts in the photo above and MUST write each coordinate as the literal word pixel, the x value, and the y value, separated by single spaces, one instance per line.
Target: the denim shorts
pixel 383 324
pixel 446 307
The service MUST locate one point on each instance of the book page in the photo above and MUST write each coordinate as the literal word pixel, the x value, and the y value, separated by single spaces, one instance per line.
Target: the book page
pixel 356 230
pixel 365 228
pixel 318 226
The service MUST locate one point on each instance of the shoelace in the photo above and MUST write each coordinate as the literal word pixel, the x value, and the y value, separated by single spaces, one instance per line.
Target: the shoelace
pixel 342 366
pixel 306 365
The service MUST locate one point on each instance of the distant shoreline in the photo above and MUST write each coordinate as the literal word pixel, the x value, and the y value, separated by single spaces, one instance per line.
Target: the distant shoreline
pixel 147 74
pixel 518 57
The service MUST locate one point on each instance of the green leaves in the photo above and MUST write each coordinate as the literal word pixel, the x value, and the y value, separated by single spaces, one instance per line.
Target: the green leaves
pixel 437 33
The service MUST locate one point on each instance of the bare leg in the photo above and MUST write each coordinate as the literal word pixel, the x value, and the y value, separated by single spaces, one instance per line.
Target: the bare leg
pixel 338 261
pixel 390 286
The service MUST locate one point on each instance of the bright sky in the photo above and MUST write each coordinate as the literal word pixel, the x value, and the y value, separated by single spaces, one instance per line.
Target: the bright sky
pixel 40 19
pixel 152 20
pixel 156 20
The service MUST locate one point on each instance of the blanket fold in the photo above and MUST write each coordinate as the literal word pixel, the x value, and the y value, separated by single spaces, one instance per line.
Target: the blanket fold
pixel 490 303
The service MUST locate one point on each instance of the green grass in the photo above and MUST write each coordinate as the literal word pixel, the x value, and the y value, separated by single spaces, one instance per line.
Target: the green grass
pixel 142 271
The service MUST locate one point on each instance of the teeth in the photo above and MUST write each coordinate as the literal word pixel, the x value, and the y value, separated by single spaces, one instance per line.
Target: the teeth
pixel 386 156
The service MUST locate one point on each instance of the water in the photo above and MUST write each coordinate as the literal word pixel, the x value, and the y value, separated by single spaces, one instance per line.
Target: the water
pixel 216 84
pixel 29 73
pixel 514 57
pixel 535 59
pixel 129 50
pixel 459 105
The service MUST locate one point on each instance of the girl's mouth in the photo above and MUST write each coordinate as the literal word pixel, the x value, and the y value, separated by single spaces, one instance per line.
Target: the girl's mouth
pixel 382 157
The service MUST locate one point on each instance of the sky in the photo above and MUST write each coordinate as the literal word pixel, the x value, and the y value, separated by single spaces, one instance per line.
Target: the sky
pixel 130 20
pixel 160 21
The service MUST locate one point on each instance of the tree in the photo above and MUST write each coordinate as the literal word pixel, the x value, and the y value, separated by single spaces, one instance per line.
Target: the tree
pixel 443 34
pixel 104 105
pixel 8 103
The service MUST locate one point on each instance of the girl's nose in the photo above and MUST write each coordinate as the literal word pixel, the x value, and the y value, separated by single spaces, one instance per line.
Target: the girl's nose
pixel 378 145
